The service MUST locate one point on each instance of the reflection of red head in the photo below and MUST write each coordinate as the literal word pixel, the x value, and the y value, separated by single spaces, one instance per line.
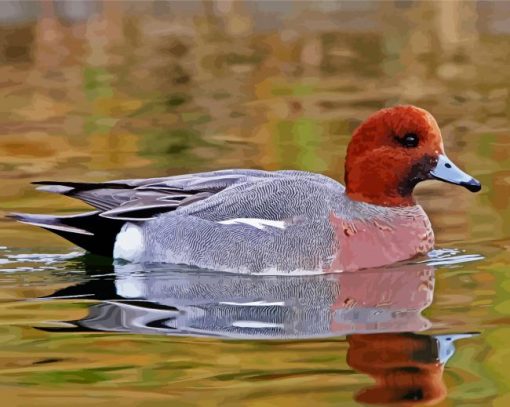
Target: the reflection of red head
pixel 405 367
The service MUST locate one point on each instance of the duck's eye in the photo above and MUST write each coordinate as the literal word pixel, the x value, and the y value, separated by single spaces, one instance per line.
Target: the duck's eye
pixel 409 140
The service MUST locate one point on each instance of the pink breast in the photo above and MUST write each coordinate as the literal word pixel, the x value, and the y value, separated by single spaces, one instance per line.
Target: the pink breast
pixel 375 242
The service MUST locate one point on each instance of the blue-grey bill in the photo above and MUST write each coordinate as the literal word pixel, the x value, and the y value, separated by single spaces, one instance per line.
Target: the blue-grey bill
pixel 447 171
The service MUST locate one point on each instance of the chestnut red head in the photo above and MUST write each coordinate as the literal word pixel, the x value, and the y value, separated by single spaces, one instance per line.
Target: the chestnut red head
pixel 392 151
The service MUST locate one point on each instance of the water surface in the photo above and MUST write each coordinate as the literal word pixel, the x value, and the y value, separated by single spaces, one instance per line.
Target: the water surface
pixel 148 90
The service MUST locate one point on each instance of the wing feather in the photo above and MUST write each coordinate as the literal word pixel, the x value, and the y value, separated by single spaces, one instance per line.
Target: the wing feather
pixel 142 199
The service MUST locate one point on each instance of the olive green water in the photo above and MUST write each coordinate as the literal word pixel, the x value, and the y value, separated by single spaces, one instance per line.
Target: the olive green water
pixel 150 92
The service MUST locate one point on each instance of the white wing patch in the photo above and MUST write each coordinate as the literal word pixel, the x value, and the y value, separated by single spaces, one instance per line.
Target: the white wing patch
pixel 129 244
pixel 256 223
pixel 255 304
pixel 256 324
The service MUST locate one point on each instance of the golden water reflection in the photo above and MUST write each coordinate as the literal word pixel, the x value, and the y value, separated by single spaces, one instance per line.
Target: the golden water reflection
pixel 376 309
pixel 95 90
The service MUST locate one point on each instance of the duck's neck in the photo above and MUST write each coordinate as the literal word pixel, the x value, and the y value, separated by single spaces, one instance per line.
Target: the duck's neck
pixel 381 197
pixel 369 182
pixel 383 176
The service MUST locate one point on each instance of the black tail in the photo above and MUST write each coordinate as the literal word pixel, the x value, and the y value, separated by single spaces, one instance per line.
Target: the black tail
pixel 88 230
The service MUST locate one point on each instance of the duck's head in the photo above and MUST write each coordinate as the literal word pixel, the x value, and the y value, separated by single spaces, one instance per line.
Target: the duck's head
pixel 392 151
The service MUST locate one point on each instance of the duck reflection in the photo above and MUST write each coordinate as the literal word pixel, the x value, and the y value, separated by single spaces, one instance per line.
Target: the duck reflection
pixel 407 367
pixel 376 309
pixel 178 302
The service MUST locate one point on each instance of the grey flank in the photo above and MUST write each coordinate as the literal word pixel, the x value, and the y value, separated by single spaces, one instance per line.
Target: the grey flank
pixel 182 218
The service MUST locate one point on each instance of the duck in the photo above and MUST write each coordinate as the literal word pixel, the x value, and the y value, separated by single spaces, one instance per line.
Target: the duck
pixel 262 222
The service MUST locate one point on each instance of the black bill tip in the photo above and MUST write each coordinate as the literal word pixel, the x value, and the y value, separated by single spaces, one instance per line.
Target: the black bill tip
pixel 473 185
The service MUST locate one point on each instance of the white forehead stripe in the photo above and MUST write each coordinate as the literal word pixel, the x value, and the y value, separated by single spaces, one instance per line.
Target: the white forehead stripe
pixel 256 223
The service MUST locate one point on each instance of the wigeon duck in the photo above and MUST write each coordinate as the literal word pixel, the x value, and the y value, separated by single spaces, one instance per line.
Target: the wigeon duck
pixel 257 221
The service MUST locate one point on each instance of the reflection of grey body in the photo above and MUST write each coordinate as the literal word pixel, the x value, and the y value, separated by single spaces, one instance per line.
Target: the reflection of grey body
pixel 237 306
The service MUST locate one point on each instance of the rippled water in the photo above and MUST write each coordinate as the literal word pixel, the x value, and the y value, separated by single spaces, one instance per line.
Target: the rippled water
pixel 136 95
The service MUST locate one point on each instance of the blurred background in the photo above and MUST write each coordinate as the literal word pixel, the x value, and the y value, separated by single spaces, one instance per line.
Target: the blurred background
pixel 97 90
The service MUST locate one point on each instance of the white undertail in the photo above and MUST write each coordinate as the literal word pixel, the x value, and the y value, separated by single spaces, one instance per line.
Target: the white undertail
pixel 129 243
